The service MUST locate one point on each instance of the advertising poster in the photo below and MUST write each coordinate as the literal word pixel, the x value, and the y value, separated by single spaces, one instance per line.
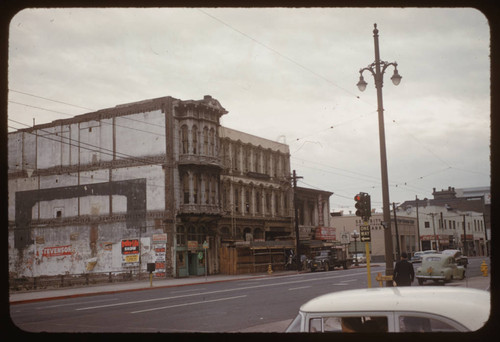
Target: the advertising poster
pixel 160 253
pixel 130 252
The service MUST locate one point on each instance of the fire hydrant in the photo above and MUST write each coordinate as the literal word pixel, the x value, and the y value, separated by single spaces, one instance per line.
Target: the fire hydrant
pixel 484 269
pixel 269 269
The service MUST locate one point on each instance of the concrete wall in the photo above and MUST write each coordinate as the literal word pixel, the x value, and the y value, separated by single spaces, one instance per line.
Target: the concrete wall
pixel 73 223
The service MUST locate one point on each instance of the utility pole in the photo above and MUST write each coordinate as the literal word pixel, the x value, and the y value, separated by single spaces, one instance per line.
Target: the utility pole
pixel 398 249
pixel 296 210
pixel 418 227
pixel 465 238
pixel 436 240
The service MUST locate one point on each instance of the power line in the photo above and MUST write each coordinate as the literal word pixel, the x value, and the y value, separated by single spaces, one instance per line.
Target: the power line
pixel 279 53
pixel 104 122
pixel 92 148
pixel 45 98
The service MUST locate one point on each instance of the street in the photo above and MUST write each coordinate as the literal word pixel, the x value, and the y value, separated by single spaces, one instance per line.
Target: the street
pixel 261 304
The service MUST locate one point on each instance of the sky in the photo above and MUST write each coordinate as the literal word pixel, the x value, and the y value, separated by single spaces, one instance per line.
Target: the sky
pixel 284 74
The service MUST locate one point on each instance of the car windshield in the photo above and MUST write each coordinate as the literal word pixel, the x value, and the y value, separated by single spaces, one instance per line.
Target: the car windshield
pixel 295 325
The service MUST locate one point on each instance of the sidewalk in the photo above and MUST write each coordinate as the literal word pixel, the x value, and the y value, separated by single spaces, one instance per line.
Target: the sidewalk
pixel 481 282
pixel 71 292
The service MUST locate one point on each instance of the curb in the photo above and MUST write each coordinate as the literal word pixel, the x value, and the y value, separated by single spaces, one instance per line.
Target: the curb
pixel 143 288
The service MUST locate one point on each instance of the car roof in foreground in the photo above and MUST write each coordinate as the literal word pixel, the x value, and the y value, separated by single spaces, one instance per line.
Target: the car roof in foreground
pixel 470 307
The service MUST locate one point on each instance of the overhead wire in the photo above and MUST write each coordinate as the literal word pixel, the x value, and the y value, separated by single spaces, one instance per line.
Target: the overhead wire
pixel 92 148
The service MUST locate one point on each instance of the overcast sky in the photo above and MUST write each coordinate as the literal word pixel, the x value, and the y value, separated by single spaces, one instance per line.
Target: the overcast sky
pixel 283 74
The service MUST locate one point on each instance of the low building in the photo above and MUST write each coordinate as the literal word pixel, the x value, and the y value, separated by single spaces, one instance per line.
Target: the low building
pixel 404 234
pixel 451 222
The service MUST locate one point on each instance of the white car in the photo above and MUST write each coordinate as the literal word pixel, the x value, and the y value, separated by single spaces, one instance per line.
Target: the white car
pixel 395 309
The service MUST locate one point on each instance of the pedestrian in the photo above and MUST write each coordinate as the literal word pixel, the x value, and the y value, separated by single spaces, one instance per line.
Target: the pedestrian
pixel 403 271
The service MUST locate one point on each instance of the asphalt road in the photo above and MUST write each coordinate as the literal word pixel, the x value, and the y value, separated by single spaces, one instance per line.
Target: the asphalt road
pixel 261 304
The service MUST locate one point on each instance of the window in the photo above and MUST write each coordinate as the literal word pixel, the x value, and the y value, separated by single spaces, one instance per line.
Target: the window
pixel 212 142
pixel 424 324
pixel 181 237
pixel 184 139
pixel 205 140
pixel 427 224
pixel 195 139
pixel 195 188
pixel 185 188
pixel 257 202
pixel 362 324
pixel 247 201
pixel 236 200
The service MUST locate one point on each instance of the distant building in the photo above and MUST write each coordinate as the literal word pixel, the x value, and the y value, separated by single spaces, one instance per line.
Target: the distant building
pixel 406 229
pixel 447 218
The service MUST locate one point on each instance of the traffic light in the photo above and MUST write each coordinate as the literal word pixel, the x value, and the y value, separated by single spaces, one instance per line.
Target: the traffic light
pixel 363 205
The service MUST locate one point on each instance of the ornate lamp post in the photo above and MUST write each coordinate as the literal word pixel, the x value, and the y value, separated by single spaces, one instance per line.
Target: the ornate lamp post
pixel 377 69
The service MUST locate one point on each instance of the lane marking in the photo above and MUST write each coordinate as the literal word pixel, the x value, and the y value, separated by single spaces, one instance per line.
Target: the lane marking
pixel 187 304
pixel 298 288
pixel 222 291
pixel 73 304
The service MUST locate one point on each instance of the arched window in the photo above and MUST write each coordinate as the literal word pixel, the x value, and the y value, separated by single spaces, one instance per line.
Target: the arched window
pixel 205 140
pixel 236 150
pixel 184 139
pixel 185 188
pixel 206 181
pixel 257 201
pixel 195 140
pixel 212 142
pixel 195 188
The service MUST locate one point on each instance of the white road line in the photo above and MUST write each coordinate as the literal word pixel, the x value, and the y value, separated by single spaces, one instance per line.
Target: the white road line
pixel 184 291
pixel 298 288
pixel 73 304
pixel 186 304
pixel 222 291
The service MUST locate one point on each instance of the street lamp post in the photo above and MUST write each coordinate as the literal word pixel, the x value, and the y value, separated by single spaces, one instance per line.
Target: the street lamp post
pixel 377 69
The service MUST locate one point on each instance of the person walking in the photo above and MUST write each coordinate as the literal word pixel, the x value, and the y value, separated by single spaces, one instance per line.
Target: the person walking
pixel 403 271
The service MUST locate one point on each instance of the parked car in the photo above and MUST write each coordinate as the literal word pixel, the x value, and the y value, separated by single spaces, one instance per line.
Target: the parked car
pixel 457 254
pixel 439 267
pixel 360 256
pixel 395 309
pixel 417 256
pixel 328 260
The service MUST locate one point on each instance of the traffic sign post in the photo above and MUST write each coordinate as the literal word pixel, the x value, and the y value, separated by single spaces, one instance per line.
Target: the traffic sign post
pixel 205 247
pixel 365 236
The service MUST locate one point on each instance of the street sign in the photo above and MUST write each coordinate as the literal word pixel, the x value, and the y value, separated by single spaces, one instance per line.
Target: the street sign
pixel 364 233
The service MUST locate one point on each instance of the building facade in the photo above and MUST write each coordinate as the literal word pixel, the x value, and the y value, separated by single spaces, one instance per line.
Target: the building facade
pixel 156 181
pixel 404 239
pixel 445 220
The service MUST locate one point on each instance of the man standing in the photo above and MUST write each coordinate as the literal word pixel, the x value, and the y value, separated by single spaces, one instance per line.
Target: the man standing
pixel 403 271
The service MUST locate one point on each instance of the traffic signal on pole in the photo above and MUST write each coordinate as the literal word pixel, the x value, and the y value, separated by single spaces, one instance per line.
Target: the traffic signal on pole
pixel 363 205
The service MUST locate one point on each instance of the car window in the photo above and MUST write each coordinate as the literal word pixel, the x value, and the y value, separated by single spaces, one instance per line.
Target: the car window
pixel 433 259
pixel 370 324
pixel 424 324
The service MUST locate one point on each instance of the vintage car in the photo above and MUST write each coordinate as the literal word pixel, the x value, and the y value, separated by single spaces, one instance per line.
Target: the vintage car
pixel 439 267
pixel 327 260
pixel 360 257
pixel 417 256
pixel 395 309
pixel 457 254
